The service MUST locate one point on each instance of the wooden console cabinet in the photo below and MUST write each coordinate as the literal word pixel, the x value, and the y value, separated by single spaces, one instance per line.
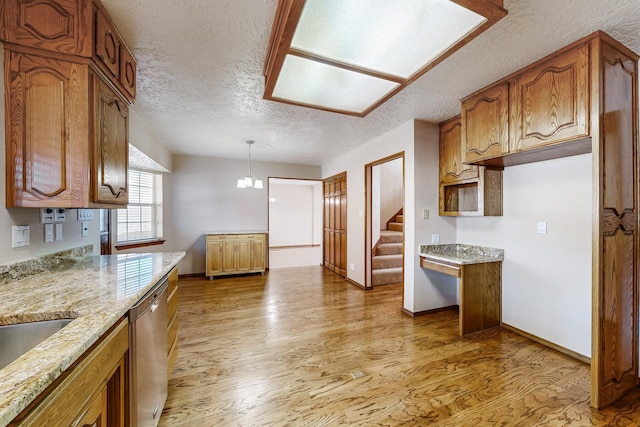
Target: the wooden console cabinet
pixel 235 254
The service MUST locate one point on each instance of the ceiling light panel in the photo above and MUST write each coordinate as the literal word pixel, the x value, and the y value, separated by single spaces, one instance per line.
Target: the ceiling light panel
pixel 309 82
pixel 397 38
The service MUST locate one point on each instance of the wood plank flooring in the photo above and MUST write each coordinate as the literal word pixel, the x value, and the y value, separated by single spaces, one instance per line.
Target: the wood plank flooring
pixel 302 347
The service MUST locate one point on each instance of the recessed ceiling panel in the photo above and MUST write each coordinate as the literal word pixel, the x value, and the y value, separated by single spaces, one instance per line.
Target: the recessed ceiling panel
pixel 394 37
pixel 314 83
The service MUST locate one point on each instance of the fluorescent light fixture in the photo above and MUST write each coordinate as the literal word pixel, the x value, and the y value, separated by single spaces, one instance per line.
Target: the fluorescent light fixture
pixel 351 56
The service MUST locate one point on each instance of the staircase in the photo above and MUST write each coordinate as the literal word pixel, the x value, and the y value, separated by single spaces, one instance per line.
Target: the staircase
pixel 386 264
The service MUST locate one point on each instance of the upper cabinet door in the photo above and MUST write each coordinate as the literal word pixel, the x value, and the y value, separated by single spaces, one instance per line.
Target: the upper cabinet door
pixel 550 103
pixel 128 72
pixel 110 146
pixel 485 124
pixel 451 167
pixel 47 132
pixel 107 44
pixel 56 25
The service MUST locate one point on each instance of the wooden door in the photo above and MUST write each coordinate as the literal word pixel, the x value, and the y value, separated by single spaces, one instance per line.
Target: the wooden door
pixel 229 256
pixel 614 359
pixel 47 145
pixel 451 167
pixel 257 252
pixel 243 248
pixel 110 146
pixel 485 124
pixel 335 224
pixel 550 103
pixel 214 256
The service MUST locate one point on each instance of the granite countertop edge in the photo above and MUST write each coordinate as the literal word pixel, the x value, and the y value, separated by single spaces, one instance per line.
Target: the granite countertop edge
pixel 66 293
pixel 461 254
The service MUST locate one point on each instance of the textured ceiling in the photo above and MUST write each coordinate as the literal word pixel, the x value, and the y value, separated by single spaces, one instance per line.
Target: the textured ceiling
pixel 200 80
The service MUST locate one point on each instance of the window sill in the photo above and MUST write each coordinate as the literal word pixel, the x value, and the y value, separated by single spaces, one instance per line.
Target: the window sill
pixel 139 244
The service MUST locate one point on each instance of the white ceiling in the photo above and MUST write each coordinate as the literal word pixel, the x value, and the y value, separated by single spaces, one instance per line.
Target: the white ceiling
pixel 200 81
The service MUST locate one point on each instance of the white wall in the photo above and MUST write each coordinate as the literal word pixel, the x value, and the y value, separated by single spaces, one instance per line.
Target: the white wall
pixel 143 138
pixel 419 141
pixel 391 191
pixel 318 211
pixel 291 215
pixel 546 284
pixel 204 198
pixel 31 216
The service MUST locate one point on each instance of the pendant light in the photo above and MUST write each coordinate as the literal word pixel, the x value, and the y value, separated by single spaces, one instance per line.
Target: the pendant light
pixel 249 181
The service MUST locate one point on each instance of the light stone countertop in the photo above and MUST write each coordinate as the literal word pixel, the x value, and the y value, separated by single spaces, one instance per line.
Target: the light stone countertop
pixel 460 254
pixel 96 291
pixel 218 233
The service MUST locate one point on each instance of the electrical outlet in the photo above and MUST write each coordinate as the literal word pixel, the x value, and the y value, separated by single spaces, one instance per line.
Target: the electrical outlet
pixel 60 215
pixel 48 233
pixel 352 266
pixel 85 229
pixel 435 238
pixel 58 231
pixel 46 215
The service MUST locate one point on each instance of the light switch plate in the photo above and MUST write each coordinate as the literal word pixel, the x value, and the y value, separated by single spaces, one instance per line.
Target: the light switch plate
pixel 19 236
pixel 85 214
pixel 46 215
pixel 542 228
pixel 60 214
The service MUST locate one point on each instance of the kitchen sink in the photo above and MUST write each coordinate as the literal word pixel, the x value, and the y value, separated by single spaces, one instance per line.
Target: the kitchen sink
pixel 19 338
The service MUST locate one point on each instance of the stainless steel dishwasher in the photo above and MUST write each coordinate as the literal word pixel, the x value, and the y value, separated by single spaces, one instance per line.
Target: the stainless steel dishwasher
pixel 148 357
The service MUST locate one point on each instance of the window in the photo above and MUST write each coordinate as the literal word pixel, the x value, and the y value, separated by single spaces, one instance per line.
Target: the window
pixel 142 219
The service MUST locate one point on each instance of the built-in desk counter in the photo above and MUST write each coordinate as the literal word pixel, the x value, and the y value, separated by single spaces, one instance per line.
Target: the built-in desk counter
pixel 480 272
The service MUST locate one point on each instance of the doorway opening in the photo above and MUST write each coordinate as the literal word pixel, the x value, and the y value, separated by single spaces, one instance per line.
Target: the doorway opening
pixel 384 234
pixel 295 222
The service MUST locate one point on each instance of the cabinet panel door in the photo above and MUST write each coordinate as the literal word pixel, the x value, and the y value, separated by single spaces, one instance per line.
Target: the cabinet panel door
pixel 244 254
pixel 214 257
pixel 47 149
pixel 485 124
pixel 257 253
pixel 451 167
pixel 551 102
pixel 110 146
pixel 128 71
pixel 229 256
pixel 96 414
pixel 56 25
pixel 107 44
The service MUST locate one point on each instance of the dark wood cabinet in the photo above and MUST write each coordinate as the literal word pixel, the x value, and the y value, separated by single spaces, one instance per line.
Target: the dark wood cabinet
pixel 47 132
pixel 67 96
pixel 110 145
pixel 550 103
pixel 465 190
pixel 485 124
pixel 62 26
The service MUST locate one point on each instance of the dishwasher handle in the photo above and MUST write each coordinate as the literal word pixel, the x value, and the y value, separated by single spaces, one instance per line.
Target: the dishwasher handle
pixel 150 301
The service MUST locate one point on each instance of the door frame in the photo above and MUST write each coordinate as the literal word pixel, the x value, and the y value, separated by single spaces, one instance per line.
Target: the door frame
pixel 368 232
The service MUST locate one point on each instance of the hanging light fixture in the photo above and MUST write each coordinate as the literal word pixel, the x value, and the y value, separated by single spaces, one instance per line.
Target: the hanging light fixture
pixel 249 181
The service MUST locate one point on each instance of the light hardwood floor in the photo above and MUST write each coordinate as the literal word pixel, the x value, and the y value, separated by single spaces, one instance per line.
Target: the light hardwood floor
pixel 301 347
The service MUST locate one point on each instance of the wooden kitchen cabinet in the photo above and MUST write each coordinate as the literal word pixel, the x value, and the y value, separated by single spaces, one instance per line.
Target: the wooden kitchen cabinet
pixel 539 113
pixel 172 320
pixel 485 124
pixel 465 190
pixel 110 145
pixel 550 103
pixel 235 254
pixel 66 110
pixel 92 390
pixel 63 26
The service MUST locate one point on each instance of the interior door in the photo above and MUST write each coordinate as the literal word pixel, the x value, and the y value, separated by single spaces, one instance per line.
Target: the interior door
pixel 335 224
